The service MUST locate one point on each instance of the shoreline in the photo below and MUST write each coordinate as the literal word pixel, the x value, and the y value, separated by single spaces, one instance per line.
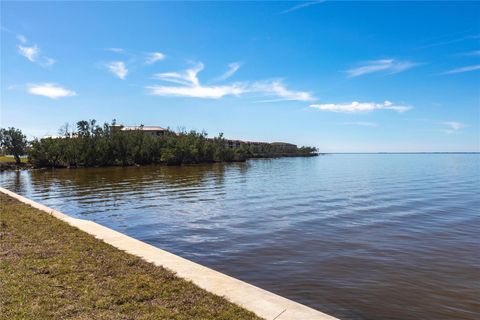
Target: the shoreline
pixel 261 302
pixel 11 166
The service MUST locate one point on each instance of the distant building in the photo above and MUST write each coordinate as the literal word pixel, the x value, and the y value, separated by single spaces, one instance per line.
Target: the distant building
pixel 254 146
pixel 284 147
pixel 152 130
pixel 232 144
pixel 51 137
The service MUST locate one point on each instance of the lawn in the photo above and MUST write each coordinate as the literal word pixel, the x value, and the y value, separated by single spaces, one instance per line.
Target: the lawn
pixel 51 270
pixel 9 159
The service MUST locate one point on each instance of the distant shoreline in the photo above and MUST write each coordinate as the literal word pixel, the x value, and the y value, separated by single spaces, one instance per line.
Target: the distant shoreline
pixel 12 166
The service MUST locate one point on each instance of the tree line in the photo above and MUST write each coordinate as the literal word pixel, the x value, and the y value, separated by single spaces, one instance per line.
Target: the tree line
pixel 90 144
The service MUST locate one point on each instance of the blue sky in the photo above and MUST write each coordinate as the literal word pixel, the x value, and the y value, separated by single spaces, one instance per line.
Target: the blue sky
pixel 342 76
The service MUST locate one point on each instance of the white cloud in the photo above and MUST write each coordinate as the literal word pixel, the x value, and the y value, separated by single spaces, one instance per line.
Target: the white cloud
pixel 210 92
pixel 22 38
pixel 31 53
pixel 277 88
pixel 355 107
pixel 187 77
pixel 154 57
pixel 50 90
pixel 116 50
pixel 475 53
pixel 387 65
pixel 453 126
pixel 463 69
pixel 232 69
pixel 361 123
pixel 190 86
pixel 118 68
pixel 47 62
pixel 450 41
pixel 302 5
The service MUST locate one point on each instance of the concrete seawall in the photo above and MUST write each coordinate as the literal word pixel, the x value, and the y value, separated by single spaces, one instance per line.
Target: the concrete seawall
pixel 263 303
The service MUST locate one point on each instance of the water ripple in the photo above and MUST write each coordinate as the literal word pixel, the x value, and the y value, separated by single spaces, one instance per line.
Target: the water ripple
pixel 358 236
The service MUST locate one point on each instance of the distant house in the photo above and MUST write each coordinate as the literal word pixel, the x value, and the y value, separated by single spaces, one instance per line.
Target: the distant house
pixel 152 130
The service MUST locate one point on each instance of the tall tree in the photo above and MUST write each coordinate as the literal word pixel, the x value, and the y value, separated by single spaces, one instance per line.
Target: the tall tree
pixel 14 142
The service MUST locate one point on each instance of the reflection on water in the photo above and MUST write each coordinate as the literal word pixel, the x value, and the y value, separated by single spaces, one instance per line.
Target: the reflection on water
pixel 357 236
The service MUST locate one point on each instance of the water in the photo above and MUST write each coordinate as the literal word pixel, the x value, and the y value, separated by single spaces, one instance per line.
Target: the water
pixel 384 236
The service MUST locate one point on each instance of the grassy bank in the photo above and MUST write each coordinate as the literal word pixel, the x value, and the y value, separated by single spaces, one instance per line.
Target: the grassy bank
pixel 8 163
pixel 50 270
pixel 11 159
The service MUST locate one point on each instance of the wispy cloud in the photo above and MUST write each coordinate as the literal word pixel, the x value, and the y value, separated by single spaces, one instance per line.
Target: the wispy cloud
pixel 277 89
pixel 47 62
pixel 209 92
pixel 463 69
pixel 22 38
pixel 31 53
pixel 450 41
pixel 118 68
pixel 361 123
pixel 50 90
pixel 188 85
pixel 154 57
pixel 475 53
pixel 453 126
pixel 385 65
pixel 232 69
pixel 116 50
pixel 355 107
pixel 187 77
pixel 301 6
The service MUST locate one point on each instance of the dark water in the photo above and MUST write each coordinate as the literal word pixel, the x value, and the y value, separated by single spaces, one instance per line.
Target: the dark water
pixel 357 236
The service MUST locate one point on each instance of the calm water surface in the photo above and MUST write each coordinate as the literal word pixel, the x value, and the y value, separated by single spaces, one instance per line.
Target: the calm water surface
pixel 357 236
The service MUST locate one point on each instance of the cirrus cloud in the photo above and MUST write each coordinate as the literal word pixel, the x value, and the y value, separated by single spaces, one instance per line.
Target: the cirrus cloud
pixel 22 38
pixel 187 84
pixel 31 53
pixel 116 50
pixel 356 107
pixel 118 68
pixel 277 89
pixel 361 123
pixel 463 69
pixel 154 57
pixel 190 85
pixel 209 92
pixel 302 5
pixel 50 90
pixel 232 69
pixel 386 65
pixel 453 126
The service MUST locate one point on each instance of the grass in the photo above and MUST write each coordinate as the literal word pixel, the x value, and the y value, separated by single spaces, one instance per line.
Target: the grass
pixel 50 270
pixel 11 159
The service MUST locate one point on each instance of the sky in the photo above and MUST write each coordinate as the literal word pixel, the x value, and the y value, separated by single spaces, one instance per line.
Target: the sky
pixel 341 76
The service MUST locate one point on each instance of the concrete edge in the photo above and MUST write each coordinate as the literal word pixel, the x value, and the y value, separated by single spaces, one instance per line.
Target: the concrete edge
pixel 262 302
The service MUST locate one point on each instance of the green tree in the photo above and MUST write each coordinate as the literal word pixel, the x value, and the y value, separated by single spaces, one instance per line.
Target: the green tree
pixel 90 144
pixel 14 142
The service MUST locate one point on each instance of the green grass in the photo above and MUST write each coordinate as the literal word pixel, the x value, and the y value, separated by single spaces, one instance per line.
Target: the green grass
pixel 11 159
pixel 50 270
